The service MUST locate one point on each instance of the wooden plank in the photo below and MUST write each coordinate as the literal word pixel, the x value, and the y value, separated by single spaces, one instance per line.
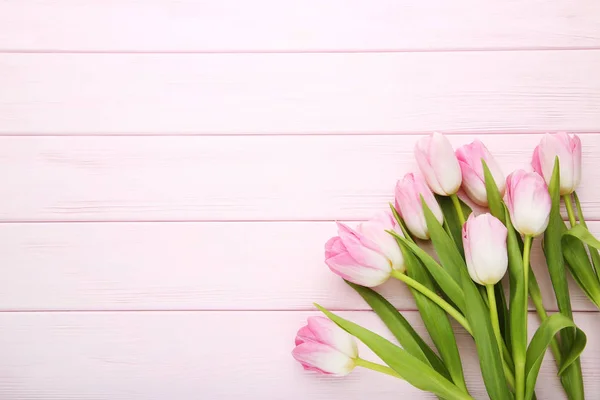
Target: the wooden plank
pixel 175 355
pixel 191 266
pixel 216 178
pixel 512 91
pixel 309 25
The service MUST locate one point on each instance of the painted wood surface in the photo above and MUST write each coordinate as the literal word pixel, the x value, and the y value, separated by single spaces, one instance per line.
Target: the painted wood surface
pixel 208 355
pixel 217 178
pixel 289 25
pixel 398 92
pixel 190 266
pixel 170 170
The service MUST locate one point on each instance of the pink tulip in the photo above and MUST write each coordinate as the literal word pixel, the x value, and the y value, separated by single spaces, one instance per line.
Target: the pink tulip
pixel 568 150
pixel 469 157
pixel 528 202
pixel 484 241
pixel 408 204
pixel 438 164
pixel 367 255
pixel 324 347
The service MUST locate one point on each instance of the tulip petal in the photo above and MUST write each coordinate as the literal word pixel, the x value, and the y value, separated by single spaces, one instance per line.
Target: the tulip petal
pixel 375 229
pixel 334 246
pixel 365 251
pixel 530 204
pixel 422 150
pixel 348 268
pixel 329 333
pixel 323 359
pixel 473 185
pixel 443 161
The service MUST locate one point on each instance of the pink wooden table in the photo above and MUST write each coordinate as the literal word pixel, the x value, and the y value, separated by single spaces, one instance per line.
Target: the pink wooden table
pixel 169 171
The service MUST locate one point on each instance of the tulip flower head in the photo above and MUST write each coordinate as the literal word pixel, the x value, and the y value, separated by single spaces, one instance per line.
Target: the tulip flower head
pixel 484 241
pixel 438 164
pixel 470 158
pixel 528 202
pixel 568 150
pixel 367 255
pixel 408 204
pixel 324 347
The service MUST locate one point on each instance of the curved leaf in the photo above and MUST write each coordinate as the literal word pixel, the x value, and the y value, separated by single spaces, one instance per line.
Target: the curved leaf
pixel 540 342
pixel 410 368
pixel 572 241
pixel 408 338
pixel 583 234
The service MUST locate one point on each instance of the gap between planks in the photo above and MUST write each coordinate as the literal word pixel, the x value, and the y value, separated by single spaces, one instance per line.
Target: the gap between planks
pixel 308 51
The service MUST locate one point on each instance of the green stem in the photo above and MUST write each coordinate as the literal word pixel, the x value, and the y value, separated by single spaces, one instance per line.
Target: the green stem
pixel 570 212
pixel 519 364
pixel 433 297
pixel 459 210
pixel 384 369
pixel 526 252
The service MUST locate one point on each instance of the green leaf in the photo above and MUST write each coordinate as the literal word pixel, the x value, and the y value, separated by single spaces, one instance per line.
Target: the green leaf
pixel 580 232
pixel 410 368
pixel 435 319
pixel 580 266
pixel 446 249
pixel 539 344
pixel 495 203
pixel 593 251
pixel 448 285
pixel 452 225
pixel 408 338
pixel 554 250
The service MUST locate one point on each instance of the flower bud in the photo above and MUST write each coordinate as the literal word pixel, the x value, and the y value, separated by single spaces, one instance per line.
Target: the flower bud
pixel 408 204
pixel 367 255
pixel 568 150
pixel 438 164
pixel 484 241
pixel 470 158
pixel 528 202
pixel 324 347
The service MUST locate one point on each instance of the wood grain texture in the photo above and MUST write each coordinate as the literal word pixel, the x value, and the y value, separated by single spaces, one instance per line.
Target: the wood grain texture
pixel 190 266
pixel 191 355
pixel 229 178
pixel 507 92
pixel 309 25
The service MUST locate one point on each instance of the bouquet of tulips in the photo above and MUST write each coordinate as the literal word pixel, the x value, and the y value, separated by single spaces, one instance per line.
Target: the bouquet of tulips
pixel 474 252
